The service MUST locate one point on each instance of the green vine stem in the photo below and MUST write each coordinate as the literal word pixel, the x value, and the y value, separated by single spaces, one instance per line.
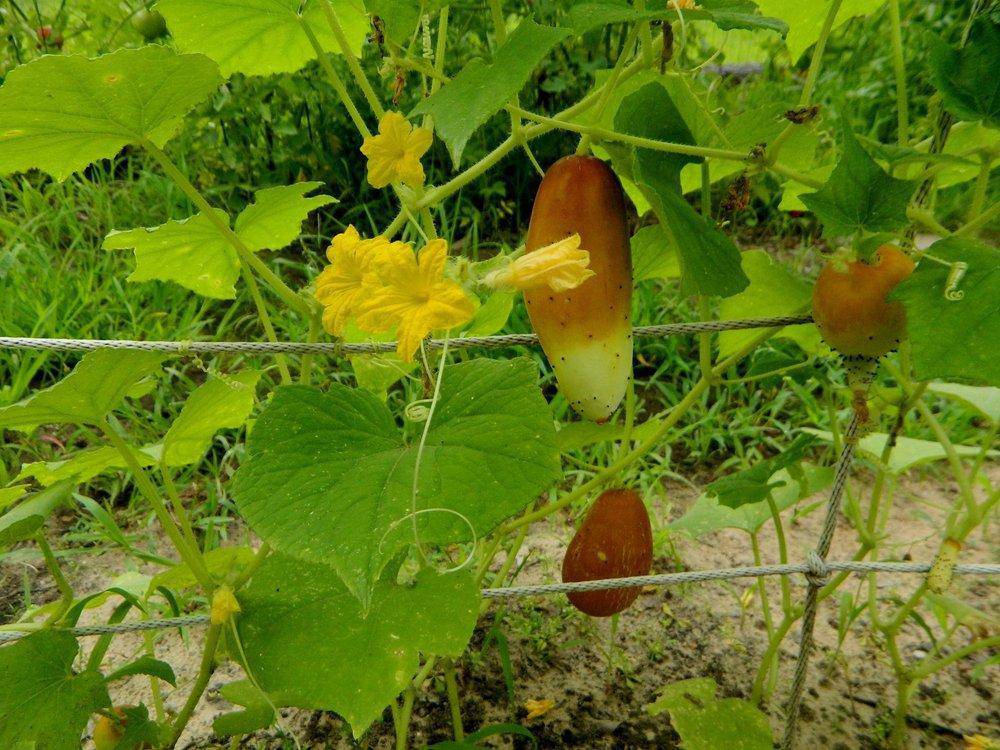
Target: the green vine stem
pixel 190 556
pixel 451 685
pixel 899 69
pixel 352 61
pixel 62 584
pixel 970 228
pixel 810 83
pixel 205 671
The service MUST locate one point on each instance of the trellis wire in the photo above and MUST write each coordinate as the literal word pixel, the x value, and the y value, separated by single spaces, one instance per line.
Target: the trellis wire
pixel 513 592
pixel 337 347
pixel 817 578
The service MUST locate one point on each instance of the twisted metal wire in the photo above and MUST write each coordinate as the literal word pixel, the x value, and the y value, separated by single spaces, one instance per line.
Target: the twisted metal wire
pixel 515 592
pixel 341 348
pixel 817 577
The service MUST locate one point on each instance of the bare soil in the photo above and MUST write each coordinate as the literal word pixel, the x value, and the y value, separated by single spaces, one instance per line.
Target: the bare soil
pixel 670 634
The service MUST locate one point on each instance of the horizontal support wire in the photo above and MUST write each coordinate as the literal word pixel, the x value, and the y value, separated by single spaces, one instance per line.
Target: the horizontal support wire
pixel 341 348
pixel 661 579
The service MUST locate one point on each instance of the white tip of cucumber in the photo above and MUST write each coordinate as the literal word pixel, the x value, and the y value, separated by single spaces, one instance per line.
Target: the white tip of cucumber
pixel 593 376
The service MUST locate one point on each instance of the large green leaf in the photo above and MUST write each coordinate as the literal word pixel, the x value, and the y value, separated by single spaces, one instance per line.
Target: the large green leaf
pixel 28 516
pixel 967 77
pixel 860 196
pixel 481 89
pixel 907 453
pixel 170 251
pixel 754 484
pixel 705 722
pixel 308 642
pixel 954 338
pixel 654 255
pixel 60 113
pixel 43 703
pixel 985 400
pixel 774 291
pixel 708 515
pixel 222 402
pixel 274 219
pixel 260 37
pixel 96 386
pixel 191 252
pixel 80 467
pixel 805 18
pixel 328 477
pixel 709 261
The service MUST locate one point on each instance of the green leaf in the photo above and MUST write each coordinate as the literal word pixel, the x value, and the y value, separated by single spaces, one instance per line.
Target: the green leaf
pixel 170 251
pixel 258 712
pixel 481 89
pixel 376 372
pixel 907 453
pixel 754 484
pixel 220 403
pixel 274 219
pixel 10 495
pixel 59 113
pixel 967 77
pixel 654 255
pixel 96 386
pixel 328 477
pixel 954 339
pixel 309 643
pixel 80 467
pixel 43 703
pixel 707 515
pixel 221 563
pixel 726 14
pixel 805 18
pixel 705 723
pixel 985 400
pixel 492 315
pixel 28 516
pixel 191 252
pixel 792 191
pixel 140 731
pixel 260 37
pixel 146 665
pixel 710 263
pixel 774 291
pixel 860 196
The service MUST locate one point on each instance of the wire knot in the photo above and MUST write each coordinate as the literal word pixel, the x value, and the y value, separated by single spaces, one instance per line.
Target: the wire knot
pixel 818 572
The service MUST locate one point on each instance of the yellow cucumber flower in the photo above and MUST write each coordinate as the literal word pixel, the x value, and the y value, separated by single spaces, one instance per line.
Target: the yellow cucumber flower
pixel 394 154
pixel 980 742
pixel 560 266
pixel 341 286
pixel 414 296
pixel 538 708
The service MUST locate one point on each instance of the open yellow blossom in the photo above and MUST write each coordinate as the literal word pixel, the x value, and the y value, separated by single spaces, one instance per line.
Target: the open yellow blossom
pixel 560 266
pixel 341 286
pixel 538 708
pixel 414 296
pixel 682 4
pixel 394 154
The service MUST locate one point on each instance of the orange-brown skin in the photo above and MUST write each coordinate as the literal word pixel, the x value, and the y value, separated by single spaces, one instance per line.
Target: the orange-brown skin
pixel 586 333
pixel 615 540
pixel 851 309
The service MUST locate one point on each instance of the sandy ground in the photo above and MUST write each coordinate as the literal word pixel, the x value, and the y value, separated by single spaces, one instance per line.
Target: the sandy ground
pixel 668 635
